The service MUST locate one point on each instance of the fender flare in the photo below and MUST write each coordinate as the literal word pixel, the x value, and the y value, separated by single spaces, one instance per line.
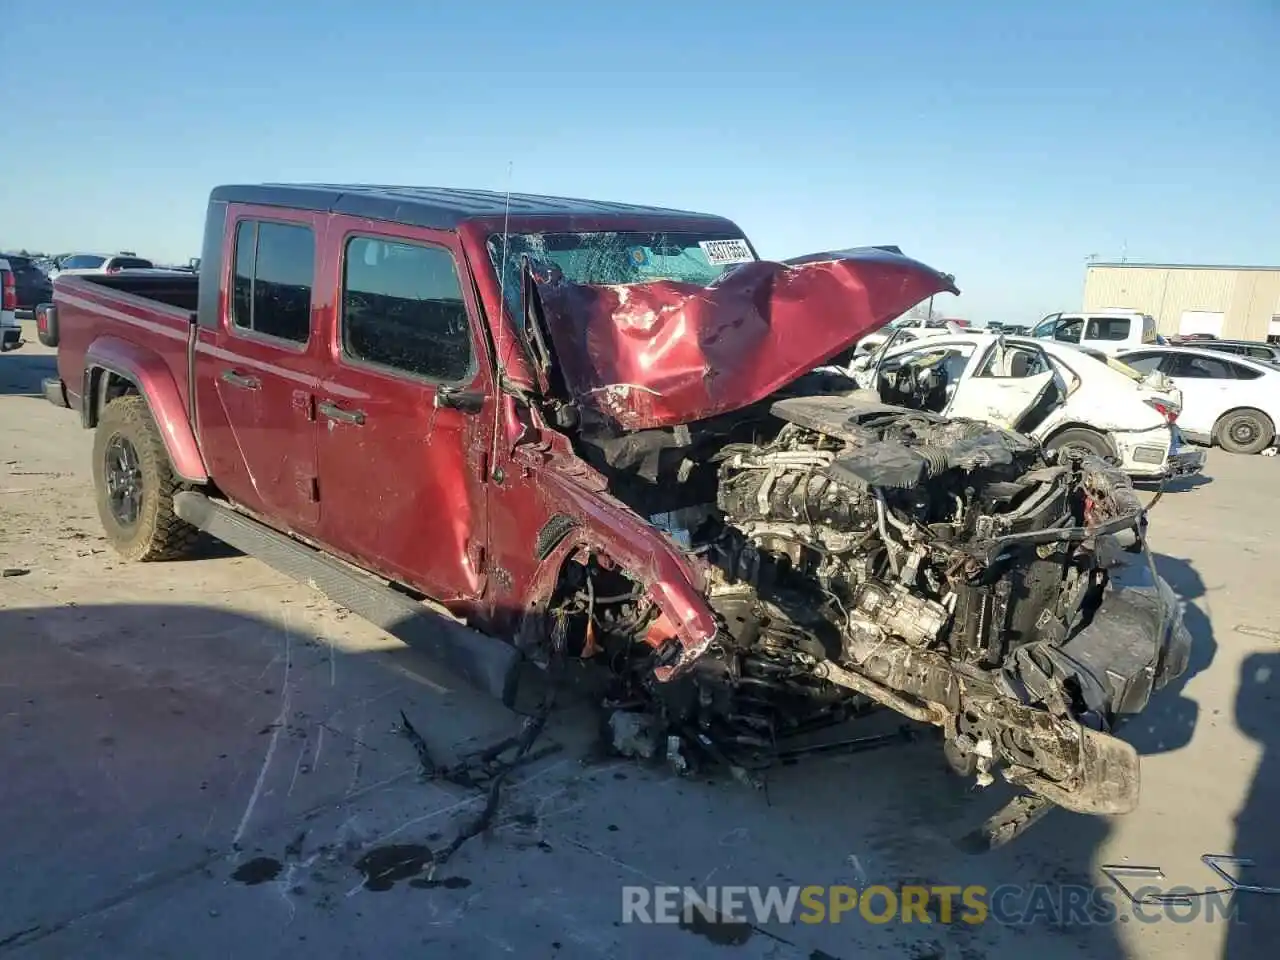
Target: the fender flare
pixel 150 375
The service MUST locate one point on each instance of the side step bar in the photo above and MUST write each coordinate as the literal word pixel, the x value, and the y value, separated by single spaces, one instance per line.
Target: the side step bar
pixel 484 662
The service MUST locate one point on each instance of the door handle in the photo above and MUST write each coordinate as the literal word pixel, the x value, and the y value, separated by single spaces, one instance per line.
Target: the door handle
pixel 238 380
pixel 335 412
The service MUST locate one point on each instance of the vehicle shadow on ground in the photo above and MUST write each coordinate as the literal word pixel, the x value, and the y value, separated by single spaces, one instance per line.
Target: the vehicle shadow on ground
pixel 195 730
pixel 21 374
pixel 1175 484
pixel 1256 930
pixel 149 746
pixel 1169 722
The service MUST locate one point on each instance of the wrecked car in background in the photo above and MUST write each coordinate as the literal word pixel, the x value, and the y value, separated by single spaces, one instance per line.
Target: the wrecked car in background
pixel 1063 396
pixel 591 430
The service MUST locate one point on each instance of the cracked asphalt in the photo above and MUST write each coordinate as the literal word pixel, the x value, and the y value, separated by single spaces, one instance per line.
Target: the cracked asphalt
pixel 203 759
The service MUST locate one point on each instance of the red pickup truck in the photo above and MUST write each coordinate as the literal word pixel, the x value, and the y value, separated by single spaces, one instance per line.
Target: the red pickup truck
pixel 605 430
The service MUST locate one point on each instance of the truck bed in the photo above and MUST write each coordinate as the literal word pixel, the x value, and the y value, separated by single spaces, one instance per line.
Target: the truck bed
pixel 157 308
pixel 172 289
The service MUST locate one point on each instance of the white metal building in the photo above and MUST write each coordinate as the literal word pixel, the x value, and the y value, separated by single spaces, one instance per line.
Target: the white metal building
pixel 1232 302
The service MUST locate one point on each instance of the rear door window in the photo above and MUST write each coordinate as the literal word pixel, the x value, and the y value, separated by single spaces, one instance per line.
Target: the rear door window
pixel 1241 372
pixel 274 273
pixel 1108 328
pixel 402 309
pixel 1203 368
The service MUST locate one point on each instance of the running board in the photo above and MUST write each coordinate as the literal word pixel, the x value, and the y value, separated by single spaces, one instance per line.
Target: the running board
pixel 486 663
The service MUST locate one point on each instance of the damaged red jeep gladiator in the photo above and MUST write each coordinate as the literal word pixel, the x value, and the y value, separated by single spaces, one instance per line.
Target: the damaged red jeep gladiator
pixel 599 431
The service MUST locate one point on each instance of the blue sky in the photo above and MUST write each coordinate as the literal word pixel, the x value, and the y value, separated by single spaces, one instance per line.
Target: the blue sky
pixel 1004 142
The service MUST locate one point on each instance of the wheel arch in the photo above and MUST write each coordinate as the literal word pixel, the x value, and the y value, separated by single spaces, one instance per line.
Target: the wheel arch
pixel 115 367
pixel 567 540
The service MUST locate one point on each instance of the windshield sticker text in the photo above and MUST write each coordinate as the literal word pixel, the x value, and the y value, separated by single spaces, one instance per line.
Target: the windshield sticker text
pixel 721 252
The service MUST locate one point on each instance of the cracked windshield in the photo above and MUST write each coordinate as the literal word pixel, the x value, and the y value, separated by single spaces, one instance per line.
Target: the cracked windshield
pixel 618 257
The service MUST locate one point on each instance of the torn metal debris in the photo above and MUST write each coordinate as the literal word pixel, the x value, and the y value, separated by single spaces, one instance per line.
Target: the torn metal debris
pixel 490 767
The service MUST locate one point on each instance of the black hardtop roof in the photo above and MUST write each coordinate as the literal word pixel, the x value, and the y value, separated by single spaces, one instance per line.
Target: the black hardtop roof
pixel 437 208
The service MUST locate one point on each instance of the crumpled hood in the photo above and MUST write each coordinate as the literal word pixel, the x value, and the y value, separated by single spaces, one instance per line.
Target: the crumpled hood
pixel 664 353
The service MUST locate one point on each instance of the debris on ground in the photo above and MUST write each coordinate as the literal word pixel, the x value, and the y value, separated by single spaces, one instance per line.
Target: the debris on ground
pixel 429 768
pixel 14 572
pixel 487 768
pixel 675 756
pixel 633 734
pixel 1270 451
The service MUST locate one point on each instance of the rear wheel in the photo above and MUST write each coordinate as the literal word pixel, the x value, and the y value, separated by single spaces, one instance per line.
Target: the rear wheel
pixel 135 485
pixel 1245 431
pixel 1079 442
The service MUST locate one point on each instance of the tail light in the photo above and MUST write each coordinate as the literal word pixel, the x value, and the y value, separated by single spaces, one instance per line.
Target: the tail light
pixel 1170 413
pixel 10 295
pixel 47 324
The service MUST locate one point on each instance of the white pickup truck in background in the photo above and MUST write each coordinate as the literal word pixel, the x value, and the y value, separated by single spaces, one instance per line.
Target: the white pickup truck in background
pixel 1108 331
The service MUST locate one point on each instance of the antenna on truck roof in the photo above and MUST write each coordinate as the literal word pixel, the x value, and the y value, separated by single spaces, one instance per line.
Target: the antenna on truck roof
pixel 502 273
pixel 502 306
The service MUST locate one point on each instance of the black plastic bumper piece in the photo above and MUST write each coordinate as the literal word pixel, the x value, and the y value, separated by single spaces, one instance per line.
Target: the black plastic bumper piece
pixel 1135 645
pixel 484 662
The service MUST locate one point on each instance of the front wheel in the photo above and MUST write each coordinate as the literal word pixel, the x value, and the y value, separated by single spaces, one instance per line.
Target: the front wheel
pixel 1245 431
pixel 135 485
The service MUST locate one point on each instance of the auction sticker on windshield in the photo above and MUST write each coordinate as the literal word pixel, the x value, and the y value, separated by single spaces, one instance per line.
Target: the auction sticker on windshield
pixel 721 252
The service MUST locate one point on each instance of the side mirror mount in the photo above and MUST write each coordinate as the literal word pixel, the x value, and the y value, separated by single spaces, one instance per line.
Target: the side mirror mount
pixel 465 401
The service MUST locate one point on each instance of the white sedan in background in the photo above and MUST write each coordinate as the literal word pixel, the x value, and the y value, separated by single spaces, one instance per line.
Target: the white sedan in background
pixel 1052 392
pixel 1228 400
pixel 81 263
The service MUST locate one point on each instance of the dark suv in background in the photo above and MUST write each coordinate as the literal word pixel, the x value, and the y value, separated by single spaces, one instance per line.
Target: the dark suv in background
pixel 32 285
pixel 1269 352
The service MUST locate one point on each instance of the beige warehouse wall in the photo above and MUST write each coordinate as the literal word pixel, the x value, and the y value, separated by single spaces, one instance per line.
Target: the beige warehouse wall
pixel 1247 298
pixel 1255 302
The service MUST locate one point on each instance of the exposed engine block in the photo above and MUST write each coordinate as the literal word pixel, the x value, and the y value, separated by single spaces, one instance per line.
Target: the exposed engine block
pixel 905 559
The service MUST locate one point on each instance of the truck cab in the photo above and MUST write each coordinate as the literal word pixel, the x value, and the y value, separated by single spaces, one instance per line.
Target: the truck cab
pixel 1108 331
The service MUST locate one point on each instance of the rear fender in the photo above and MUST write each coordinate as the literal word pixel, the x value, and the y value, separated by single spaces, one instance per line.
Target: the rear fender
pixel 111 362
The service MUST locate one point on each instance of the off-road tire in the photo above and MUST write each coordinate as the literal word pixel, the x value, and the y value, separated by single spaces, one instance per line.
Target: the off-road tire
pixel 1245 431
pixel 157 534
pixel 1078 438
